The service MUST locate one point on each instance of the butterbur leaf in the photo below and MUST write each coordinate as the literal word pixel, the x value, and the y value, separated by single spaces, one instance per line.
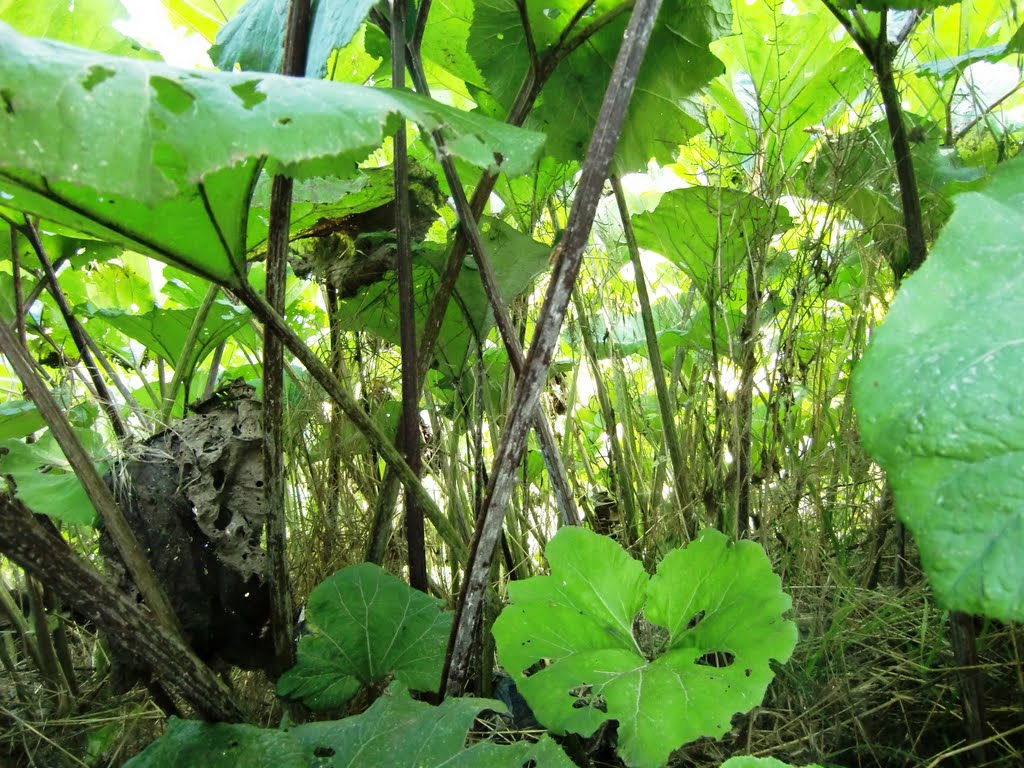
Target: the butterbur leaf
pixel 165 331
pixel 395 731
pixel 19 418
pixel 671 658
pixel 744 761
pixel 44 480
pixel 366 625
pixel 254 38
pixel 220 745
pixel 164 160
pixel 939 395
pixel 708 232
pixel 399 732
pixel 658 120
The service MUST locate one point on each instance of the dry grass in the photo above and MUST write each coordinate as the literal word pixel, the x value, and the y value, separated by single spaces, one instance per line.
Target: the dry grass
pixel 873 683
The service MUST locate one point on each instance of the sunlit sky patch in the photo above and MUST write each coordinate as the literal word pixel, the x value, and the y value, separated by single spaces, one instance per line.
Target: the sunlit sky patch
pixel 149 23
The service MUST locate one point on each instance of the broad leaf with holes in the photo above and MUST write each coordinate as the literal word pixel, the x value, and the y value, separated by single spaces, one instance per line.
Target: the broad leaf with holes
pixel 395 731
pixel 939 395
pixel 164 160
pixel 365 626
pixel 671 658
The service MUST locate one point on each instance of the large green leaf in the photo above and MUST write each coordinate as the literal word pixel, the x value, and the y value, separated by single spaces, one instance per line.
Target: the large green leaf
pixel 254 38
pixel 787 74
pixel 677 66
pixel 164 160
pixel 581 653
pixel 85 23
pixel 939 395
pixel 398 732
pixel 446 39
pixel 19 418
pixel 709 231
pixel 44 480
pixel 204 17
pixel 164 331
pixel 366 625
pixel 395 731
pixel 950 39
pixel 744 761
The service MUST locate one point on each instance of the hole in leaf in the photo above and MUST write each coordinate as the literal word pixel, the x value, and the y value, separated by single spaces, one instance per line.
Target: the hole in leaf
pixel 747 671
pixel 534 668
pixel 716 659
pixel 218 479
pixel 171 95
pixel 97 74
pixel 8 99
pixel 224 517
pixel 249 94
pixel 585 697
pixel 323 752
pixel 531 763
pixel 697 619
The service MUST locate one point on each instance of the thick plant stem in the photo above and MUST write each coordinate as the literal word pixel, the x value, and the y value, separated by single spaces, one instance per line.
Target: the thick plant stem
pixel 668 418
pixel 530 89
pixel 409 436
pixel 46 555
pixel 528 386
pixel 274 499
pixel 99 494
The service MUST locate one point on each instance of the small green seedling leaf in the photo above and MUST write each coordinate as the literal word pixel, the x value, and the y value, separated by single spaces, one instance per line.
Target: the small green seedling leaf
pixel 366 625
pixel 395 731
pixel 582 652
pixel 939 394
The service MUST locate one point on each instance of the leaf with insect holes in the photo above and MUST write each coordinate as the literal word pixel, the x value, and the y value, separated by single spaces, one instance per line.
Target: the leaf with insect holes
pixel 395 731
pixel 164 160
pixel 671 657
